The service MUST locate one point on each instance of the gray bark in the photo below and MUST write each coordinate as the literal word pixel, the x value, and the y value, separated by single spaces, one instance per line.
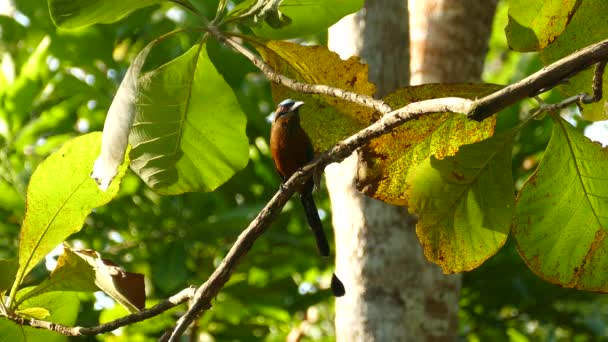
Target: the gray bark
pixel 393 292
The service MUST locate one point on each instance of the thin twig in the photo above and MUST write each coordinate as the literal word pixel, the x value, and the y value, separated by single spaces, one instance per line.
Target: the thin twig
pixel 545 79
pixel 578 98
pixel 180 297
pixel 300 87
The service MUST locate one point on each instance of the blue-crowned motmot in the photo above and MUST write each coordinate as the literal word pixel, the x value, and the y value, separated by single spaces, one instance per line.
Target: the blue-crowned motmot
pixel 291 149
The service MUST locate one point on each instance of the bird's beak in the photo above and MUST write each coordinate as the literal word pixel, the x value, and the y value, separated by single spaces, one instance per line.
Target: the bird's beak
pixel 296 105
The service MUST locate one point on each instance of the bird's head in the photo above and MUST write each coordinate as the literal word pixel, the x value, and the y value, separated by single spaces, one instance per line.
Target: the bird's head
pixel 287 107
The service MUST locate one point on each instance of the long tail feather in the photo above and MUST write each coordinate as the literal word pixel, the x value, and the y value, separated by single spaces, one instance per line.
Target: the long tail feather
pixel 312 216
pixel 337 288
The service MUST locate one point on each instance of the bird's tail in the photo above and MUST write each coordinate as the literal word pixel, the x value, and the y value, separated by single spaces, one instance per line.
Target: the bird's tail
pixel 314 221
pixel 312 216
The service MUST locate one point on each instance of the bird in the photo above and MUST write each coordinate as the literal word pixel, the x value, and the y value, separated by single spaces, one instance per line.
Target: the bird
pixel 291 149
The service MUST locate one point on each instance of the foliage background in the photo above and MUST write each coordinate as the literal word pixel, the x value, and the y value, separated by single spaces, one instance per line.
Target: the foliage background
pixel 57 91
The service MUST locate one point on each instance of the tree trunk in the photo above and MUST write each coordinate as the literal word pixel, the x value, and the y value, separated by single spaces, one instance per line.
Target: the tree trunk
pixel 393 292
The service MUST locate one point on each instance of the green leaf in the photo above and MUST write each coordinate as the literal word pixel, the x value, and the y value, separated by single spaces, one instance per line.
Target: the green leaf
pixel 62 306
pixel 84 270
pixel 60 196
pixel 562 212
pixel 118 123
pixel 126 288
pixel 587 26
pixel 38 313
pixel 306 17
pixel 387 160
pixel 534 24
pixel 72 273
pixel 464 203
pixel 78 13
pixel 8 270
pixel 189 131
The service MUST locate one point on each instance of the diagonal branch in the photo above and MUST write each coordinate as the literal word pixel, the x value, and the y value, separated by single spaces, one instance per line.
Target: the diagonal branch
pixel 542 80
pixel 304 88
pixel 578 98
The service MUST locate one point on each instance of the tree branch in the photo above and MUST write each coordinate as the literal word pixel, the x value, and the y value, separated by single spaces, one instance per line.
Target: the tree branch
pixel 542 80
pixel 300 87
pixel 156 310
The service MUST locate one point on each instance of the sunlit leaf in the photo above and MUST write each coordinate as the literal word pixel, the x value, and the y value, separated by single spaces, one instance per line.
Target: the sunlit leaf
pixel 388 160
pixel 38 313
pixel 72 273
pixel 126 288
pixel 325 119
pixel 562 212
pixel 587 26
pixel 118 123
pixel 60 196
pixel 61 306
pixel 464 203
pixel 78 13
pixel 534 24
pixel 84 270
pixel 189 131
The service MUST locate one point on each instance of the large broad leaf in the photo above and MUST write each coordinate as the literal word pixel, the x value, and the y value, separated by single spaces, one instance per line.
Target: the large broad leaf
pixel 325 119
pixel 78 13
pixel 57 307
pixel 562 212
pixel 71 274
pixel 84 270
pixel 534 24
pixel 387 160
pixel 189 131
pixel 118 123
pixel 60 196
pixel 464 203
pixel 297 18
pixel 587 26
